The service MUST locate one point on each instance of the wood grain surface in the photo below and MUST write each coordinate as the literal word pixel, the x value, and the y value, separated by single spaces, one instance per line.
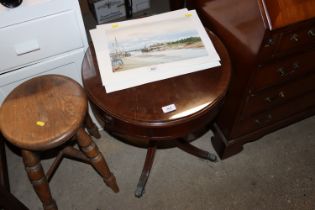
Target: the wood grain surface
pixel 43 112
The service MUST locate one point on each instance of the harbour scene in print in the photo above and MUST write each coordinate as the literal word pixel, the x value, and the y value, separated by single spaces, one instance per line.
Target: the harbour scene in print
pixel 150 44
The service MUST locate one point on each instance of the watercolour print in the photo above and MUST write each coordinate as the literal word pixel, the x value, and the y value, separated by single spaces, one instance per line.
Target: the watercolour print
pixel 135 52
pixel 153 44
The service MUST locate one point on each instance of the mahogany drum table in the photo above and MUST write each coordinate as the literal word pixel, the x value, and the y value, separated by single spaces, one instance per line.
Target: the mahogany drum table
pixel 135 115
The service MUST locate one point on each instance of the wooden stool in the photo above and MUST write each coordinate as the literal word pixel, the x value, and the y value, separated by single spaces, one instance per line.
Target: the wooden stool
pixel 47 112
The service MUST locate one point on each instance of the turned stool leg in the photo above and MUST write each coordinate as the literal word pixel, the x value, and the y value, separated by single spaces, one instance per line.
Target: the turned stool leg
pixel 96 158
pixel 38 179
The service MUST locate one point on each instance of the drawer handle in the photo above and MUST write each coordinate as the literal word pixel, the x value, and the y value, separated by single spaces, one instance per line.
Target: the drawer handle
pixel 283 72
pixel 264 119
pixel 108 120
pixel 296 65
pixel 311 32
pixel 26 47
pixel 294 37
pixel 269 42
pixel 272 99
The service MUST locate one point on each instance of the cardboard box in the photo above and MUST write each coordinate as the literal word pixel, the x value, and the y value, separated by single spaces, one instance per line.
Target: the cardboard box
pixel 140 5
pixel 109 10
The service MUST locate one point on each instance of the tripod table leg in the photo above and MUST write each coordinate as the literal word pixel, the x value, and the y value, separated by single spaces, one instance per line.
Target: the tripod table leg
pixel 191 149
pixel 145 171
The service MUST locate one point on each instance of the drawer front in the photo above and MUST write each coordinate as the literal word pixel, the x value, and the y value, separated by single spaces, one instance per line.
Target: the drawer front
pixel 302 37
pixel 69 65
pixel 283 70
pixel 268 118
pixel 35 40
pixel 34 9
pixel 281 94
pixel 294 39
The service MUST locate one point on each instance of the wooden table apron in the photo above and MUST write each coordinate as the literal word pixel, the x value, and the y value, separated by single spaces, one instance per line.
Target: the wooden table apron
pixel 136 113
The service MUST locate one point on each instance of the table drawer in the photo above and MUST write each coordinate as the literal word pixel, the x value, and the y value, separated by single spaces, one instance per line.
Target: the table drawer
pixel 283 70
pixel 31 41
pixel 280 43
pixel 266 99
pixel 300 38
pixel 274 115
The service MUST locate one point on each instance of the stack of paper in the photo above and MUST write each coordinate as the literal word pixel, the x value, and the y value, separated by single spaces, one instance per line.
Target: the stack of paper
pixel 136 52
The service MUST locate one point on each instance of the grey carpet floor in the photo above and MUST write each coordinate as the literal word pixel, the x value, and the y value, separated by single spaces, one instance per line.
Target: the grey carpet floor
pixel 277 172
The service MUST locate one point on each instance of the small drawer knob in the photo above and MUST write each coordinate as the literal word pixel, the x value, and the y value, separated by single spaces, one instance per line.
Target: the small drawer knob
pixel 281 94
pixel 294 37
pixel 285 72
pixel 272 99
pixel 282 71
pixel 268 42
pixel 311 32
pixel 108 120
pixel 296 65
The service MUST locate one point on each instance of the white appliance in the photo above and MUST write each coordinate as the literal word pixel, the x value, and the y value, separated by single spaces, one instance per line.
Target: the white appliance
pixel 40 37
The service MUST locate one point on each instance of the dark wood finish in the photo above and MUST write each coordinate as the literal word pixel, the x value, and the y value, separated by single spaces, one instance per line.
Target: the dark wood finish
pixel 283 70
pixel 132 111
pixel 136 115
pixel 281 13
pixel 149 158
pixel 49 112
pixel 189 148
pixel 271 44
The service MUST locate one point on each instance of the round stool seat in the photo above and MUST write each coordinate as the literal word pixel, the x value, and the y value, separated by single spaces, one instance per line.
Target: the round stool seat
pixel 43 112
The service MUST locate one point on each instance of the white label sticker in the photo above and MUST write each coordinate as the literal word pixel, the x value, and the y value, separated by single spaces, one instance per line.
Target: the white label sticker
pixel 169 108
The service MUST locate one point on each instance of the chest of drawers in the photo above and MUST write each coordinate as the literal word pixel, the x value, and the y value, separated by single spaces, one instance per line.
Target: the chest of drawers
pixel 40 37
pixel 272 47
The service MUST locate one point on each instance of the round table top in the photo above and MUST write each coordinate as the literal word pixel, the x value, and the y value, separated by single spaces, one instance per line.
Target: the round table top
pixel 43 112
pixel 192 94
